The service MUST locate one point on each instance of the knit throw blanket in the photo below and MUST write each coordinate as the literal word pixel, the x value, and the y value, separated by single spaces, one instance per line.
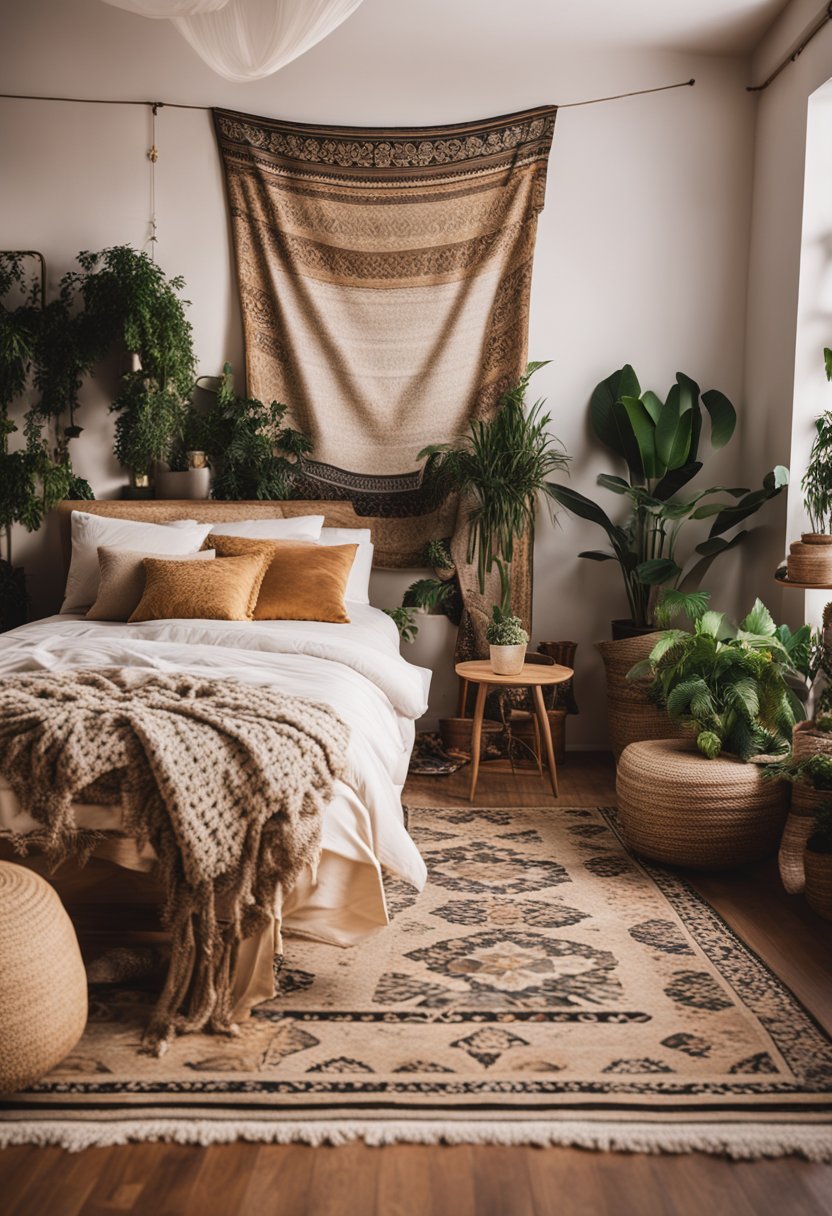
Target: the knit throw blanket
pixel 225 780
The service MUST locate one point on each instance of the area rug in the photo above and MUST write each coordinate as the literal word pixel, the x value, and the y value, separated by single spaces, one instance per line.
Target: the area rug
pixel 545 988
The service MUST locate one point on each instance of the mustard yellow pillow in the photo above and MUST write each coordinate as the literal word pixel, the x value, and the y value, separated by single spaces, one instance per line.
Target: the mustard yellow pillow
pixel 303 582
pixel 222 590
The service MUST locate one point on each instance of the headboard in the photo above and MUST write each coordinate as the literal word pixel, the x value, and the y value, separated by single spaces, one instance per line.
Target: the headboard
pixel 160 511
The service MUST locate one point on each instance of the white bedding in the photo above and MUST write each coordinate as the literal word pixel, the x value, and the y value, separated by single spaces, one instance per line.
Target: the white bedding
pixel 355 668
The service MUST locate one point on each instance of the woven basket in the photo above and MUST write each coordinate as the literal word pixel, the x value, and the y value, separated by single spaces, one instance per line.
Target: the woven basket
pixel 523 729
pixel 809 563
pixel 679 808
pixel 632 717
pixel 819 883
pixel 43 986
pixel 456 734
pixel 807 741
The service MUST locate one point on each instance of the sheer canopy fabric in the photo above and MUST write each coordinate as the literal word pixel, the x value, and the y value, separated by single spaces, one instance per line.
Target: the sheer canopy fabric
pixel 168 8
pixel 247 39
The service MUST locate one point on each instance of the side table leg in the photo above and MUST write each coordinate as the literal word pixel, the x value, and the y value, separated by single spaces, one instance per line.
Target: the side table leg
pixel 462 700
pixel 476 738
pixel 543 719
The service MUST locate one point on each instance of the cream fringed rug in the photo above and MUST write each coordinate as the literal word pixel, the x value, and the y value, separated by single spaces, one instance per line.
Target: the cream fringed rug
pixel 545 988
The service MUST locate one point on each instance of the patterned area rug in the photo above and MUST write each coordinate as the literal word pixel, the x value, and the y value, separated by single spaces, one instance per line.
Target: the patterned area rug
pixel 544 988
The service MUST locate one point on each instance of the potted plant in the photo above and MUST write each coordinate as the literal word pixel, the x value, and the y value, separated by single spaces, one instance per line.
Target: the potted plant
pixel 438 557
pixel 700 803
pixel 808 771
pixel 507 642
pixel 810 558
pixel 130 303
pixel 34 351
pixel 499 468
pixel 818 863
pixel 659 443
pixel 252 451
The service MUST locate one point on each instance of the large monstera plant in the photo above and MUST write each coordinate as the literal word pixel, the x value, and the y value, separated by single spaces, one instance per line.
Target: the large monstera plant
pixel 660 443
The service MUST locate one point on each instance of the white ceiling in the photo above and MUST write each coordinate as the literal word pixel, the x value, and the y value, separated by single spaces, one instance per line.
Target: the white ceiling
pixel 714 26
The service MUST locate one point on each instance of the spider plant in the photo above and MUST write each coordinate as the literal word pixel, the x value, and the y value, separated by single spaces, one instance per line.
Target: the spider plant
pixel 729 685
pixel 502 465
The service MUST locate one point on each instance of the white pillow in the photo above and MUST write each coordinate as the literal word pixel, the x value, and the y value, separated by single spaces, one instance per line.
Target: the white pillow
pixel 298 527
pixel 358 583
pixel 91 531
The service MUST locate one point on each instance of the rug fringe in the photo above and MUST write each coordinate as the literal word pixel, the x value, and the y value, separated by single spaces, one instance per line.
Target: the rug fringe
pixel 740 1143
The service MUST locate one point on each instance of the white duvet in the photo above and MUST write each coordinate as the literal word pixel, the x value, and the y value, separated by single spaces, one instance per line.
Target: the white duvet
pixel 355 668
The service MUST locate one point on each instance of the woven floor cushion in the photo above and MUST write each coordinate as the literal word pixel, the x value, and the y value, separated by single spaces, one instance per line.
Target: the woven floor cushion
pixel 678 808
pixel 43 986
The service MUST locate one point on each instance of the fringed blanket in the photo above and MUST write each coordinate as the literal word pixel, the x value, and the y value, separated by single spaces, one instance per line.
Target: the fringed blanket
pixel 226 781
pixel 384 281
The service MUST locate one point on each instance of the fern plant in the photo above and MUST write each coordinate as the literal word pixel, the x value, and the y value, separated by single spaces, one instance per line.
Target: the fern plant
pixel 729 685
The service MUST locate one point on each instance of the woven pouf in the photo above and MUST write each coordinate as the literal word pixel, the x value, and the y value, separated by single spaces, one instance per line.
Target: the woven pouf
pixel 43 986
pixel 632 716
pixel 679 808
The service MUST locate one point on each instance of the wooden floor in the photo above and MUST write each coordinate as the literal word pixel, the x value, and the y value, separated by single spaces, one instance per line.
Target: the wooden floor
pixel 265 1180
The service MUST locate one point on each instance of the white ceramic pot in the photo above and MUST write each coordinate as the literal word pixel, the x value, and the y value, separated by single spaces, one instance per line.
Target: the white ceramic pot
pixel 189 483
pixel 508 660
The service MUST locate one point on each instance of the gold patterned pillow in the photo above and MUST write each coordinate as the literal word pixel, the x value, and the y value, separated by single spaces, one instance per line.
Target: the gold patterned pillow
pixel 122 579
pixel 303 581
pixel 225 589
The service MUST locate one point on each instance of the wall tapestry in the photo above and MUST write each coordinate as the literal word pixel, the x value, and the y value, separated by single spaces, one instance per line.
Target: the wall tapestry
pixel 384 279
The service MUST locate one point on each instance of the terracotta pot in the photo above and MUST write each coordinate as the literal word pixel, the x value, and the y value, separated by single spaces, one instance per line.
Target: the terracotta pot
pixel 507 660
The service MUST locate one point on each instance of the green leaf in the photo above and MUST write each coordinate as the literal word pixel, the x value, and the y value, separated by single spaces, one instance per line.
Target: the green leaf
pixel 710 623
pixel 674 479
pixel 644 431
pixel 656 571
pixel 617 484
pixel 688 393
pixel 827 362
pixel 653 404
pixel 723 416
pixel 598 555
pixel 759 621
pixel 673 438
pixel 584 508
pixel 602 406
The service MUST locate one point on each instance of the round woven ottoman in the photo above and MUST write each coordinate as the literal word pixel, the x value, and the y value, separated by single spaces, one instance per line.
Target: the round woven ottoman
pixel 679 808
pixel 43 986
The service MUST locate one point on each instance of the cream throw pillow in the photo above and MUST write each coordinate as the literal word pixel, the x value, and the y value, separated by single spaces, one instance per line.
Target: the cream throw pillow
pixel 225 589
pixel 122 580
pixel 91 531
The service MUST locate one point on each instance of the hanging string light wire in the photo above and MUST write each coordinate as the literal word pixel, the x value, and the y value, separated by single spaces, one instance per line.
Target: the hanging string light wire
pixel 153 156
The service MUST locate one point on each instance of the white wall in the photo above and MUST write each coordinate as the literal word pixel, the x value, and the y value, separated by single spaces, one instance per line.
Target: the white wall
pixel 789 309
pixel 642 250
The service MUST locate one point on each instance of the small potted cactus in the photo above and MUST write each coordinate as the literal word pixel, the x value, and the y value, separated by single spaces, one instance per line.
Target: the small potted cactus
pixel 507 642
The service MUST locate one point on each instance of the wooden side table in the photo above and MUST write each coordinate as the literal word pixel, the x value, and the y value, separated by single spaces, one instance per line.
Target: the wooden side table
pixel 534 677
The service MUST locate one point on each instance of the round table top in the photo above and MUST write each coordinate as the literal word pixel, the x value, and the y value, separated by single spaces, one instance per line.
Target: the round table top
pixel 480 671
pixel 787 582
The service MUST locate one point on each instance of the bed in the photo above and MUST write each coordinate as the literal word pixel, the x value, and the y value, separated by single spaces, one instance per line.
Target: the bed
pixel 354 668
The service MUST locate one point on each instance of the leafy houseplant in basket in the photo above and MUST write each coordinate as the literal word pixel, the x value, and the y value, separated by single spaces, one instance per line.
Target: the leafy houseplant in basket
pixel 700 803
pixel 659 443
pixel 818 861
pixel 499 468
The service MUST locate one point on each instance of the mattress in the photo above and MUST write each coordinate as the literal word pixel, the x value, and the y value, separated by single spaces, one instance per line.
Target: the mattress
pixel 355 668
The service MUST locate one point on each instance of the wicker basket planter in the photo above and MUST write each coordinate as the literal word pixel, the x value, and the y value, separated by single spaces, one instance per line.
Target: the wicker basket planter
pixel 678 808
pixel 456 734
pixel 632 717
pixel 807 741
pixel 810 559
pixel 819 883
pixel 524 731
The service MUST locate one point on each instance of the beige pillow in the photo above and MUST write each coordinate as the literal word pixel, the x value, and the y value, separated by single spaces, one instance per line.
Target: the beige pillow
pixel 222 590
pixel 303 582
pixel 122 578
